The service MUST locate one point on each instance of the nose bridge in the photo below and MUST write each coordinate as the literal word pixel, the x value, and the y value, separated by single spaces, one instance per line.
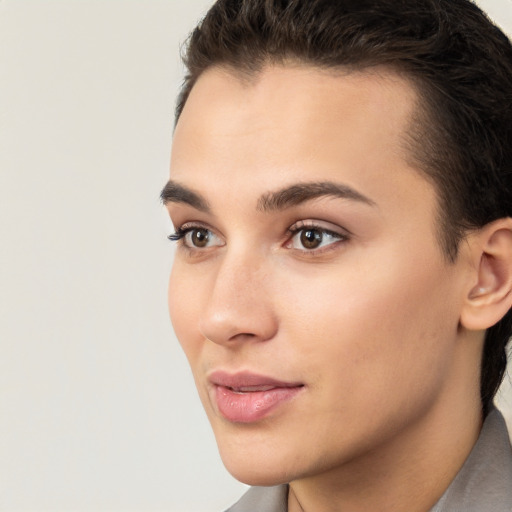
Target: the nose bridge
pixel 239 304
pixel 239 274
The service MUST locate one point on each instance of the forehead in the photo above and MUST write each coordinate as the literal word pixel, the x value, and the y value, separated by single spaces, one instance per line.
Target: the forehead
pixel 306 90
pixel 289 124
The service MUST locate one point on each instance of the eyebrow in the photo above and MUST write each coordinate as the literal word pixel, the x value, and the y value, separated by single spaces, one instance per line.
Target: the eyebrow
pixel 173 192
pixel 282 199
pixel 301 192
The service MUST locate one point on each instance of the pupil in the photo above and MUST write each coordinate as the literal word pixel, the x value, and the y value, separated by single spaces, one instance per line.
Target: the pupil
pixel 200 237
pixel 311 239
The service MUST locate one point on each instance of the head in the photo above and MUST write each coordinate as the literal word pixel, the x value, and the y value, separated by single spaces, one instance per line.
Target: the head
pixel 460 65
pixel 341 184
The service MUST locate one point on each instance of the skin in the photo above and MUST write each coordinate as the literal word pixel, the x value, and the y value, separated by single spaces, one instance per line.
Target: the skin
pixel 369 322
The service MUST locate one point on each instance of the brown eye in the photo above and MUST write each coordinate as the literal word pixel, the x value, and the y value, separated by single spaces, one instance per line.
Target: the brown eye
pixel 196 237
pixel 313 238
pixel 199 237
pixel 310 238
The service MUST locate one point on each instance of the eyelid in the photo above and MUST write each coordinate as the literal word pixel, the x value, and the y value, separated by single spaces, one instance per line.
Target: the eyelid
pixel 182 230
pixel 338 233
pixel 325 226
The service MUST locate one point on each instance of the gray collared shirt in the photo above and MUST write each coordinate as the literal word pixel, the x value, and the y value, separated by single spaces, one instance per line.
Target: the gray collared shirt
pixel 484 484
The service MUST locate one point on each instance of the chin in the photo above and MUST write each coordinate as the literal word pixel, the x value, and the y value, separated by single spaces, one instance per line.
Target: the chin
pixel 265 453
pixel 258 464
pixel 257 475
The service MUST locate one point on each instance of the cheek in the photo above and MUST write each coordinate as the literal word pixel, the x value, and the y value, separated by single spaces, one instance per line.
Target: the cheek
pixel 183 299
pixel 384 316
pixel 378 341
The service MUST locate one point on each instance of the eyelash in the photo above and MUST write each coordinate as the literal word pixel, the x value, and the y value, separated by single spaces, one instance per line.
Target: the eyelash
pixel 311 226
pixel 182 231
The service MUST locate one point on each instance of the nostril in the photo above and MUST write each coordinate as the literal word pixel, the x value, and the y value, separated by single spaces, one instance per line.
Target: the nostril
pixel 230 316
pixel 233 332
pixel 243 335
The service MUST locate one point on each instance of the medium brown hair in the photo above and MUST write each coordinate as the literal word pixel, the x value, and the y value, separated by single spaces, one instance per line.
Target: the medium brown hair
pixel 460 64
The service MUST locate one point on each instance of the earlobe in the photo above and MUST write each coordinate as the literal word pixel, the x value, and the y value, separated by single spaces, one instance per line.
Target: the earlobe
pixel 490 295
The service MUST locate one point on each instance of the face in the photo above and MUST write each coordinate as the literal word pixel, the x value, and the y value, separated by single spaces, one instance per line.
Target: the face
pixel 309 291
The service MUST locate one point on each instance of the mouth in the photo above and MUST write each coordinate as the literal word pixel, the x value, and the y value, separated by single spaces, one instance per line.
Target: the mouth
pixel 250 389
pixel 247 397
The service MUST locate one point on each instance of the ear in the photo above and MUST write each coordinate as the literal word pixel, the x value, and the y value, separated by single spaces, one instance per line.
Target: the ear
pixel 490 293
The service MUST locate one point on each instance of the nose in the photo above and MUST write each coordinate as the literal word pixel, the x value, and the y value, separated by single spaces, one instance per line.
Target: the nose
pixel 239 307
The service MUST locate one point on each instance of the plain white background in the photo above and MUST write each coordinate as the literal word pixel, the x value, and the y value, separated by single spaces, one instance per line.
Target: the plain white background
pixel 97 408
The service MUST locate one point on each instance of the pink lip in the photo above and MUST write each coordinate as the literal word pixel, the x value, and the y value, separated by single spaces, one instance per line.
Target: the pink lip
pixel 247 397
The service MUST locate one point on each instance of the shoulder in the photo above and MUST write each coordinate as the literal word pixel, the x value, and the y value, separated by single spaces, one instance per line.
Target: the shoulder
pixel 485 480
pixel 262 499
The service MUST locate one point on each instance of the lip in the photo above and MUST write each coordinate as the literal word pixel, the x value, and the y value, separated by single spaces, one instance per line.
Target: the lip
pixel 246 397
